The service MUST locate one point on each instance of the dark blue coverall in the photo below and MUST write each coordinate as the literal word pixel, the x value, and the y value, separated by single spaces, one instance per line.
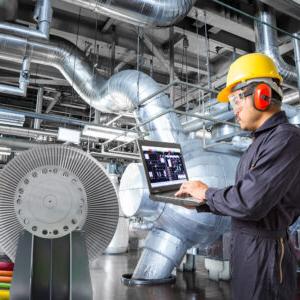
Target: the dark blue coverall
pixel 263 203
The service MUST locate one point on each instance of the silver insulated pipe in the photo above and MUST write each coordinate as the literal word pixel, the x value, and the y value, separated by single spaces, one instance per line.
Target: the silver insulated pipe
pixel 267 42
pixel 61 55
pixel 139 12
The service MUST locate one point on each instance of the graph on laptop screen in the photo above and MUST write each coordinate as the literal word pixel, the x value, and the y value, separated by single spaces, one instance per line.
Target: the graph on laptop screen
pixel 164 166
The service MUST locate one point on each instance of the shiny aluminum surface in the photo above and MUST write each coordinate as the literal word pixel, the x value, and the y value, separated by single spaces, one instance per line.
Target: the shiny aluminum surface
pixel 139 12
pixel 267 42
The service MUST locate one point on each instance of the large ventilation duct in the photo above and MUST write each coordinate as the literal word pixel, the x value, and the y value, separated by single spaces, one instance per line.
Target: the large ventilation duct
pixel 139 12
pixel 62 55
pixel 124 92
pixel 267 42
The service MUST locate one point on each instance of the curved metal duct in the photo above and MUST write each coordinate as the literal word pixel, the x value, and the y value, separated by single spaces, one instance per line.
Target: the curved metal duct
pixel 267 42
pixel 8 9
pixel 176 228
pixel 139 12
pixel 62 55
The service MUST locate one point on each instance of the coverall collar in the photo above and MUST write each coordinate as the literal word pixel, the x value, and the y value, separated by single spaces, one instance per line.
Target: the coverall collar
pixel 276 119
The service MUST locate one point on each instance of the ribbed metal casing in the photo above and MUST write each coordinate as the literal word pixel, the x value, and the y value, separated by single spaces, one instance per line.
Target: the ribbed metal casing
pixel 102 203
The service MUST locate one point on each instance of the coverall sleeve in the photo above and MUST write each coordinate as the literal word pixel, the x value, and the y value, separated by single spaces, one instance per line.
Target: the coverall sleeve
pixel 264 185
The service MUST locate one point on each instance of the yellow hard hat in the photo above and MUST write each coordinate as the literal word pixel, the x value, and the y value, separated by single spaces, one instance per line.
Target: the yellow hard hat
pixel 249 66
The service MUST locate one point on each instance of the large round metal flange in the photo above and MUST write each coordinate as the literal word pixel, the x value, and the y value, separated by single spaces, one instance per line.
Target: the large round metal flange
pixel 52 190
pixel 50 202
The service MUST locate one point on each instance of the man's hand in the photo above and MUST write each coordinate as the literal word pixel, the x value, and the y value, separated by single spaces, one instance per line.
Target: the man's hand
pixel 196 189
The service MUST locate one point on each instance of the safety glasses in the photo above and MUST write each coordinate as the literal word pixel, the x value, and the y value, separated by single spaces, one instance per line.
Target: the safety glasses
pixel 236 99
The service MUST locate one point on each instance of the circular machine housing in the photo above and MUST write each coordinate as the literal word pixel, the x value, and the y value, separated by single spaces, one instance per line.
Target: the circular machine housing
pixel 53 190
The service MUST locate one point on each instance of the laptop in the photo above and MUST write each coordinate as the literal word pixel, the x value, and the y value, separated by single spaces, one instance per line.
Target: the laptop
pixel 165 171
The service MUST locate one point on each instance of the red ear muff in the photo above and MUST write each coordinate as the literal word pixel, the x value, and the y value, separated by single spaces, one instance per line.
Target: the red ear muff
pixel 262 96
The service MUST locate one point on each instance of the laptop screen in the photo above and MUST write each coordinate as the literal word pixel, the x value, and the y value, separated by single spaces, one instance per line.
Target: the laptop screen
pixel 164 165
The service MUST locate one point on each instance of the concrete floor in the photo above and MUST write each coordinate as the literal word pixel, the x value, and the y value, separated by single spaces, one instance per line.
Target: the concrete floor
pixel 106 275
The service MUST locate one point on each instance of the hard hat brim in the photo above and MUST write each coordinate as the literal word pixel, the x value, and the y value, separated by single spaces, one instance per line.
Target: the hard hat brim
pixel 223 94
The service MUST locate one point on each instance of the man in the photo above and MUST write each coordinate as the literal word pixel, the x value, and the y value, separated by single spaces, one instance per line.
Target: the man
pixel 265 199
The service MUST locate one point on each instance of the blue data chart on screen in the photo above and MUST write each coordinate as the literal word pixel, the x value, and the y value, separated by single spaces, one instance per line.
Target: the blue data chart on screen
pixel 164 166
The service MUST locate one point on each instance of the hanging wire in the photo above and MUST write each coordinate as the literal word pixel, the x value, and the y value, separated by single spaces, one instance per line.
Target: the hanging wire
pixel 138 69
pixel 185 54
pixel 95 61
pixel 75 57
pixel 198 61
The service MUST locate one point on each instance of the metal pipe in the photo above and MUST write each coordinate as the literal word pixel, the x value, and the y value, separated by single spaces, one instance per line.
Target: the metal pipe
pixel 35 133
pixel 53 102
pixel 296 44
pixel 171 55
pixel 266 42
pixel 43 15
pixel 21 90
pixel 291 98
pixel 139 12
pixel 59 119
pixel 114 155
pixel 61 55
pixel 24 132
pixel 197 125
pixel 38 108
pixel 18 143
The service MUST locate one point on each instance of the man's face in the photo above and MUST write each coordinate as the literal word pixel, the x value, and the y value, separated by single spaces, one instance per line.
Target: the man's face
pixel 246 115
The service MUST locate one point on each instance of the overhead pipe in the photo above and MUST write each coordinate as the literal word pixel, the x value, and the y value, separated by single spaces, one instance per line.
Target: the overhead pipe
pixel 62 55
pixel 291 98
pixel 26 133
pixel 43 16
pixel 121 93
pixel 38 107
pixel 20 90
pixel 228 115
pixel 18 143
pixel 145 13
pixel 267 42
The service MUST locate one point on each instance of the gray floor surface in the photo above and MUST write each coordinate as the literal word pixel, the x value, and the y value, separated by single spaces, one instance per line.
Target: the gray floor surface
pixel 106 275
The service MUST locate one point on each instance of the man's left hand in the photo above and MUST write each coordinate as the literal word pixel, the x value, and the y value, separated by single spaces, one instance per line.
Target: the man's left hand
pixel 196 189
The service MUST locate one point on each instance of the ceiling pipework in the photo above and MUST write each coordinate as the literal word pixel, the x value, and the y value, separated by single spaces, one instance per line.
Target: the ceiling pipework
pixel 146 13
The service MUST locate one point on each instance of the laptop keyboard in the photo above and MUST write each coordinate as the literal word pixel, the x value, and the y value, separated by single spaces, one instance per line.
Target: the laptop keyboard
pixel 171 195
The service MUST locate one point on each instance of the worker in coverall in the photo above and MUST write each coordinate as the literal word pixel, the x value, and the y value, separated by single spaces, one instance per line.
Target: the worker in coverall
pixel 265 199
